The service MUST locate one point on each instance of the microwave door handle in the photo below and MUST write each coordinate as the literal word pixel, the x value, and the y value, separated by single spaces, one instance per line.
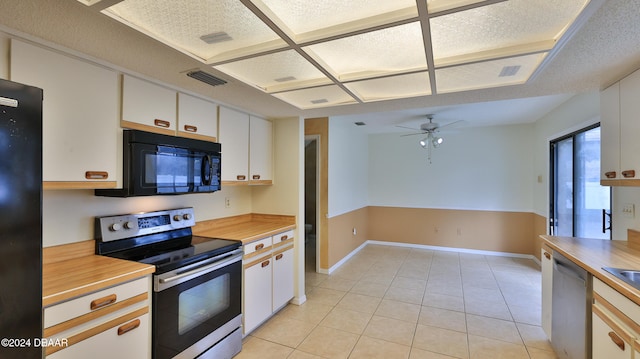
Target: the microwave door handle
pixel 205 170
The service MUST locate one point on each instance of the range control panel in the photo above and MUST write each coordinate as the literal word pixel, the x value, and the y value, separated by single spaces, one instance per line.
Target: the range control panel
pixel 111 228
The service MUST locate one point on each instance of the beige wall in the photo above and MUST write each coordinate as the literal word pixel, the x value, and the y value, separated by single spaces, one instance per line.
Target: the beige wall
pixel 509 232
pixel 539 228
pixel 342 241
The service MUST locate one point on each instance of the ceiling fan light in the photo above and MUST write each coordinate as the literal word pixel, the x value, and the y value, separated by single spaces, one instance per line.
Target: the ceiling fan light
pixel 437 141
pixel 424 142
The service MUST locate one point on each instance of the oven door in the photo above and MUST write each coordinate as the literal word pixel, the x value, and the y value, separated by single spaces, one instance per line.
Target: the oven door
pixel 158 169
pixel 192 302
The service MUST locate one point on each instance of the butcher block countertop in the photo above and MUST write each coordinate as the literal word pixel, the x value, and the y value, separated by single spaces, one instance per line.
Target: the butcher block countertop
pixel 593 254
pixel 73 270
pixel 246 228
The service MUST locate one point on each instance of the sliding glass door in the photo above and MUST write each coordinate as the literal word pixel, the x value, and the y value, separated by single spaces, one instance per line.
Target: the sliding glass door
pixel 580 207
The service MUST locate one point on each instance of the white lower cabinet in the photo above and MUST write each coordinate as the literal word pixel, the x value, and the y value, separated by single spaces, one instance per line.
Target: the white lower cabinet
pixel 257 293
pixel 282 277
pixel 546 257
pixel 615 323
pixel 268 278
pixel 110 323
pixel 609 340
pixel 122 340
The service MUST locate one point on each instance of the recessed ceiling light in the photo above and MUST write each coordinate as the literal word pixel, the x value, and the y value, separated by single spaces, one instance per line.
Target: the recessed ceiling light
pixel 509 71
pixel 216 37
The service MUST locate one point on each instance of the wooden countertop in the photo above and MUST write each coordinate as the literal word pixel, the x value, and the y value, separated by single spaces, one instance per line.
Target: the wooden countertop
pixel 73 270
pixel 245 228
pixel 593 254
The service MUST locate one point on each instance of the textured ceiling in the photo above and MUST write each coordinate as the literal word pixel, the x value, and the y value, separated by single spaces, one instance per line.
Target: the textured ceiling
pixel 604 49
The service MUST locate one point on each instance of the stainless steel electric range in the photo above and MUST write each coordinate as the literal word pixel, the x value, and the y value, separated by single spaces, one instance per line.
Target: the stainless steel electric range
pixel 197 298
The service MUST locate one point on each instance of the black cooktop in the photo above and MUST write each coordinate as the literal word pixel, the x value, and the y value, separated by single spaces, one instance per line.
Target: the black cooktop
pixel 179 250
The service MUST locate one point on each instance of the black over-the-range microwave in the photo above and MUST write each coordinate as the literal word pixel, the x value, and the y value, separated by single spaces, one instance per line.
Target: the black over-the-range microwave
pixel 155 164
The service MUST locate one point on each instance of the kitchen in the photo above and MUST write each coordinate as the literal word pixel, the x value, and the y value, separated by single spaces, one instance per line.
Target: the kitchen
pixel 347 192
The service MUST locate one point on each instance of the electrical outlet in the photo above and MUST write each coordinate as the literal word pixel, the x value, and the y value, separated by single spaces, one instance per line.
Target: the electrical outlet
pixel 227 202
pixel 628 210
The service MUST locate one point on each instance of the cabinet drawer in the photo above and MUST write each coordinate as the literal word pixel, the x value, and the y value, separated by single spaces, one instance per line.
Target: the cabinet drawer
pixel 260 246
pixel 124 337
pixel 283 238
pixel 624 304
pixel 93 302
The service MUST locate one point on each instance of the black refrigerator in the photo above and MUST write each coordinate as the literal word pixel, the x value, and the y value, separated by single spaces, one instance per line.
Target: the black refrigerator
pixel 20 220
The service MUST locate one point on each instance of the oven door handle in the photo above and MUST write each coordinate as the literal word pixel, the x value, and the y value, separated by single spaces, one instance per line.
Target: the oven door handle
pixel 164 283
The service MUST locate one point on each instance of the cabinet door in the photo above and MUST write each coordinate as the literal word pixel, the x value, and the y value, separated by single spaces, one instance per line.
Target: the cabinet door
pixel 282 278
pixel 147 106
pixel 610 133
pixel 547 286
pixel 261 151
pixel 609 342
pixel 630 126
pixel 197 118
pixel 126 339
pixel 234 137
pixel 257 293
pixel 80 116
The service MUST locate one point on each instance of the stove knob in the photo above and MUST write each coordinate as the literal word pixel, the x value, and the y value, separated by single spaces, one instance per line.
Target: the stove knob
pixel 129 225
pixel 115 227
pixel 177 218
pixel 186 216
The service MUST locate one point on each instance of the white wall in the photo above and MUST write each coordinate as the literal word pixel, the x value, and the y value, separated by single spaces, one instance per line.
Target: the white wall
pixel 483 168
pixel 68 216
pixel 577 113
pixel 348 167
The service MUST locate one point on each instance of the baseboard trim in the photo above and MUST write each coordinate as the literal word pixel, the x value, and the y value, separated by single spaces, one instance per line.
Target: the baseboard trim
pixel 344 260
pixel 424 246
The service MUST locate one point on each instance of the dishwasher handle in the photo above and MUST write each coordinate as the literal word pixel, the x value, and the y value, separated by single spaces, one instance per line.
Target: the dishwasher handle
pixel 569 271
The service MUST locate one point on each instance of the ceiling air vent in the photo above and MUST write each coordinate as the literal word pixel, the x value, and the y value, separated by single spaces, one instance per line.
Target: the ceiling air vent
pixel 285 79
pixel 320 100
pixel 509 71
pixel 359 123
pixel 206 78
pixel 216 37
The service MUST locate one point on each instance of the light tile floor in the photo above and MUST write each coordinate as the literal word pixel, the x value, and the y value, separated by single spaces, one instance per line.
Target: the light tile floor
pixel 395 302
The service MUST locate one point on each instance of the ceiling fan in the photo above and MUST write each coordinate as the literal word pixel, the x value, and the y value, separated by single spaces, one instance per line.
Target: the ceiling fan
pixel 430 129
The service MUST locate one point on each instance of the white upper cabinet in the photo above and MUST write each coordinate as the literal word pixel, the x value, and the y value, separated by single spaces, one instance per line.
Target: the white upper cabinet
pixel 80 117
pixel 197 118
pixel 234 137
pixel 630 127
pixel 261 151
pixel 147 106
pixel 610 133
pixel 620 149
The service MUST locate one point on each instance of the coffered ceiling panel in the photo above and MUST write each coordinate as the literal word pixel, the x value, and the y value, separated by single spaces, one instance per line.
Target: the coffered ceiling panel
pixel 201 28
pixel 392 50
pixel 317 97
pixel 332 52
pixel 305 20
pixel 503 72
pixel 276 72
pixel 388 88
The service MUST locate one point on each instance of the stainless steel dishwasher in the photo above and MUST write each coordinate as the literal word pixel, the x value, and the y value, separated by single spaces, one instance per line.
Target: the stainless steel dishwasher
pixel 570 310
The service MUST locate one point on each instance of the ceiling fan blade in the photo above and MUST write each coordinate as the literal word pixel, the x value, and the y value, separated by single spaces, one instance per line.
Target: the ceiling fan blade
pixel 451 124
pixel 413 134
pixel 409 128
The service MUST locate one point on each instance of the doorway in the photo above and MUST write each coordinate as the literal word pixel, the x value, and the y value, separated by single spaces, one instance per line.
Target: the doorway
pixel 579 205
pixel 311 201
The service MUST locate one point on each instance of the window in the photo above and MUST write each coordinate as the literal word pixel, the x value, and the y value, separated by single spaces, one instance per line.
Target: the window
pixel 580 207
